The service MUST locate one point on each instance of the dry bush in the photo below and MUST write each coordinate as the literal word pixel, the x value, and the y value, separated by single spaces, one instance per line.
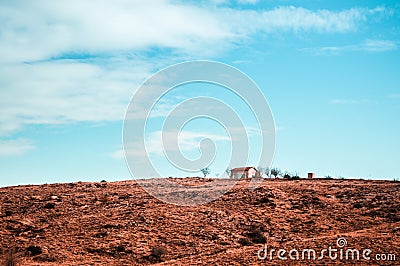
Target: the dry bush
pixel 10 258
pixel 157 253
pixel 244 241
pixel 255 234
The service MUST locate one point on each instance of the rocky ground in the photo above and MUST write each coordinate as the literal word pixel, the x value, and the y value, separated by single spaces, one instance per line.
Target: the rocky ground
pixel 118 223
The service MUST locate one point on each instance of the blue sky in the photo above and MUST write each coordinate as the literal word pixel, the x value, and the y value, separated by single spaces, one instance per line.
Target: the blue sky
pixel 69 68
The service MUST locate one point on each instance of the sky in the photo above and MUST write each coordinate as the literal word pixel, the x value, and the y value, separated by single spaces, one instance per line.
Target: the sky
pixel 68 70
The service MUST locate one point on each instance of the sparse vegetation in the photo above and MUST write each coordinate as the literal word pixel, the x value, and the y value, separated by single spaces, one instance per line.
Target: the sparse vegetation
pixel 287 175
pixel 264 171
pixel 260 169
pixel 244 241
pixel 295 177
pixel 157 253
pixel 206 171
pixel 228 171
pixel 255 234
pixel 266 200
pixel 328 177
pixel 10 258
pixel 267 171
pixel 276 172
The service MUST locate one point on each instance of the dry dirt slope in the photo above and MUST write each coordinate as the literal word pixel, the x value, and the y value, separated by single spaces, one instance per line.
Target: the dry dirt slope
pixel 119 224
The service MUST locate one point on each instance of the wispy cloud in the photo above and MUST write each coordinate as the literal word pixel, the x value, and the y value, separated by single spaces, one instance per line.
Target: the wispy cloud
pixel 60 63
pixel 251 2
pixel 36 30
pixel 45 29
pixel 297 18
pixel 66 91
pixel 378 45
pixel 15 147
pixel 366 46
pixel 165 105
pixel 395 95
pixel 349 101
pixel 187 141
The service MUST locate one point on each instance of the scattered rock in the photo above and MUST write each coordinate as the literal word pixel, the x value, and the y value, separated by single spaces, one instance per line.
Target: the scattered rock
pixel 156 254
pixel 49 205
pixel 34 250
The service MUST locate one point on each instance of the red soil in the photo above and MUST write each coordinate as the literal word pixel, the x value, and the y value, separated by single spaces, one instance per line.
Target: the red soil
pixel 120 224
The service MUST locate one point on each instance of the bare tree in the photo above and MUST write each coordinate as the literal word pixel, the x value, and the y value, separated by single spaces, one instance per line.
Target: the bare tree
pixel 267 171
pixel 287 175
pixel 206 171
pixel 264 171
pixel 260 170
pixel 276 172
pixel 228 171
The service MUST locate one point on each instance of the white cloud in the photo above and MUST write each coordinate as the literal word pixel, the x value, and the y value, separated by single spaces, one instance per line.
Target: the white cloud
pixel 349 101
pixel 292 18
pixel 187 141
pixel 252 2
pixel 66 91
pixel 37 89
pixel 15 147
pixel 36 30
pixel 366 46
pixel 165 105
pixel 117 154
pixel 378 45
pixel 42 29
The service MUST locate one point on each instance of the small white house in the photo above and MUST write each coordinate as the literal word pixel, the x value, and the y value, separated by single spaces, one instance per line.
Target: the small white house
pixel 244 172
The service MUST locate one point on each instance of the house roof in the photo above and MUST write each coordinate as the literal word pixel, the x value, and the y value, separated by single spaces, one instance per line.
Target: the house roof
pixel 243 168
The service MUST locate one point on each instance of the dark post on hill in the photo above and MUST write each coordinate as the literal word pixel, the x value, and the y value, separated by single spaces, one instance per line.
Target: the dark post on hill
pixel 311 175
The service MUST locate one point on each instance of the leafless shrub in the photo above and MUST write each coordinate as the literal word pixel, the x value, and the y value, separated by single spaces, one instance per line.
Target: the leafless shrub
pixel 244 241
pixel 10 258
pixel 156 254
pixel 255 233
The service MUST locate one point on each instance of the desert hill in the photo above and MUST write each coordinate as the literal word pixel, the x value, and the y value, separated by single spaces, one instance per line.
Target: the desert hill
pixel 118 223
